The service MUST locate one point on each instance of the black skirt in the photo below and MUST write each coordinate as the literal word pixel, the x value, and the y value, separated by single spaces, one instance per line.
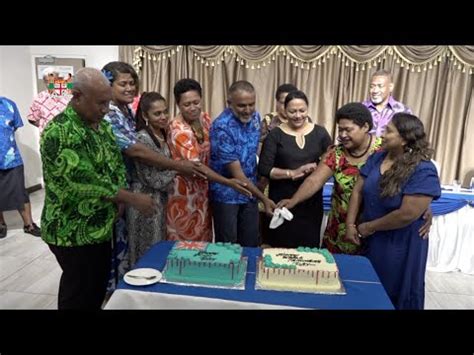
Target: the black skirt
pixel 13 195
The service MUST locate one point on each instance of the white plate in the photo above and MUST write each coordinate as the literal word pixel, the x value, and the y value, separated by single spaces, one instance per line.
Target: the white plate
pixel 142 277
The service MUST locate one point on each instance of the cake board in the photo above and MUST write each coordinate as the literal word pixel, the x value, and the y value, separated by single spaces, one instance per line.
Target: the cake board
pixel 340 291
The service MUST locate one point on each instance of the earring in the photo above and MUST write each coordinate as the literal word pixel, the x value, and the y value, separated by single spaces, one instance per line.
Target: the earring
pixel 146 122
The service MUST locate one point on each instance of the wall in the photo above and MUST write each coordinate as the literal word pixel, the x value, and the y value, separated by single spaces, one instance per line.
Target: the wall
pixel 17 83
pixel 95 56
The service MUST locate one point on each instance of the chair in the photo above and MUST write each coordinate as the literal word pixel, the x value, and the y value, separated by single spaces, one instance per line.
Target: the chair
pixel 466 183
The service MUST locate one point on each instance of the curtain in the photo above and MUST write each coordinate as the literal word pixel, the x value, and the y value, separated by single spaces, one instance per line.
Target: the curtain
pixel 436 82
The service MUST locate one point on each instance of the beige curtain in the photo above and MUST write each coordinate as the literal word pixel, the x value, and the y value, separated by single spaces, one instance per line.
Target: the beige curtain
pixel 436 82
pixel 126 53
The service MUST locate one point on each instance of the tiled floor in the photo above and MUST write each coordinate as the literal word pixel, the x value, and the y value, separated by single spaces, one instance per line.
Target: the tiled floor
pixel 29 273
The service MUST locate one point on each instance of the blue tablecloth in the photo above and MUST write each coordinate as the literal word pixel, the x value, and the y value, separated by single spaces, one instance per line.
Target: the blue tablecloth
pixel 450 202
pixel 447 203
pixel 362 285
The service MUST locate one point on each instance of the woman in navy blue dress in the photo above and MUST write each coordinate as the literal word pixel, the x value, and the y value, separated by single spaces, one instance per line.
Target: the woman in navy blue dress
pixel 396 186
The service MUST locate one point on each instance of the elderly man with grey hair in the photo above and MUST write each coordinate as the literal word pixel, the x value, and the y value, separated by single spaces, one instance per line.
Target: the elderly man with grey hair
pixel 46 104
pixel 84 178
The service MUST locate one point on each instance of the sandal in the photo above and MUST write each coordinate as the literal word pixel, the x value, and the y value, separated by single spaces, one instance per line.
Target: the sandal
pixel 32 229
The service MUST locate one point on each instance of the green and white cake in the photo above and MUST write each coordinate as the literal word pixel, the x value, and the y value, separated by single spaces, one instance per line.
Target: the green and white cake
pixel 301 269
pixel 217 264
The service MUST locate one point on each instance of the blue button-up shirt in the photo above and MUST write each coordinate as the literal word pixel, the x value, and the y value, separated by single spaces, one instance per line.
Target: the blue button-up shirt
pixel 122 126
pixel 232 140
pixel 10 120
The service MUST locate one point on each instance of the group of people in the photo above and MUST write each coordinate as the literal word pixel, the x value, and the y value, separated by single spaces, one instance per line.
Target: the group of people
pixel 382 218
pixel 193 178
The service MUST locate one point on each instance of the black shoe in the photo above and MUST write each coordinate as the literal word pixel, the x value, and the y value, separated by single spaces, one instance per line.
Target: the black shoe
pixel 32 229
pixel 3 230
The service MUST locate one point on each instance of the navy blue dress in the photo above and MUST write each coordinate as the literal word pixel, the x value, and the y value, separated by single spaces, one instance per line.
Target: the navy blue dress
pixel 398 255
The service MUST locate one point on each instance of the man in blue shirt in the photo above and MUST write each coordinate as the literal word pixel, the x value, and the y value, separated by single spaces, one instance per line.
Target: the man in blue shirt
pixel 234 137
pixel 13 195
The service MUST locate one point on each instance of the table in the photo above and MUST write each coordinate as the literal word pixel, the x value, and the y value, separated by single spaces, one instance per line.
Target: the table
pixel 363 287
pixel 452 201
pixel 451 242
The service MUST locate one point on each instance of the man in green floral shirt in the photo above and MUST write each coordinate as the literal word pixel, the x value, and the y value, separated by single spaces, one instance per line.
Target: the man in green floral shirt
pixel 84 179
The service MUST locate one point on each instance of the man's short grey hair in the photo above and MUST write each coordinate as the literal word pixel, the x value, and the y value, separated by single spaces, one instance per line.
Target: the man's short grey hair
pixel 86 78
pixel 242 85
pixel 383 72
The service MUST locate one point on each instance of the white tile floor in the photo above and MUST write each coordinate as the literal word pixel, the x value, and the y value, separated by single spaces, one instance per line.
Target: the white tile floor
pixel 29 273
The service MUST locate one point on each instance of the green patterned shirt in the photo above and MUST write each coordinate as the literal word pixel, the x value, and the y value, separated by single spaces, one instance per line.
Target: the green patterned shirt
pixel 81 167
pixel 345 176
